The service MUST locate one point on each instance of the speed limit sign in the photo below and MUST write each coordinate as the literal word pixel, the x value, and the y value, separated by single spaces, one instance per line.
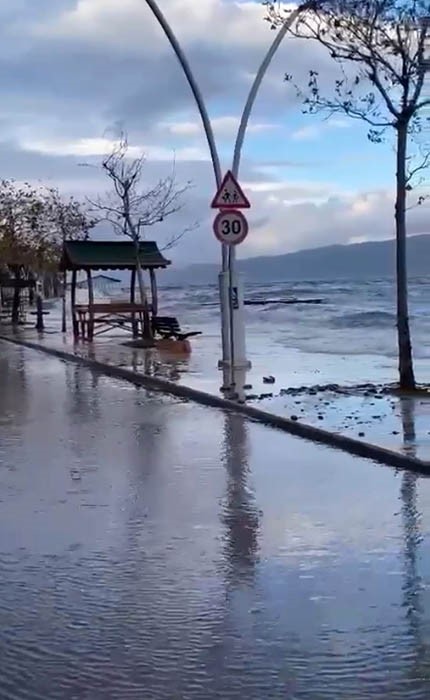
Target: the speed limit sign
pixel 230 227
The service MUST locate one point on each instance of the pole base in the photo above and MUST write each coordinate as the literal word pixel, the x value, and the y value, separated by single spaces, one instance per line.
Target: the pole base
pixel 238 365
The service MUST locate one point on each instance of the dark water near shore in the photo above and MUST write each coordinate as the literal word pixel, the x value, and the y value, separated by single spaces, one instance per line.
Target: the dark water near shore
pixel 355 317
pixel 151 548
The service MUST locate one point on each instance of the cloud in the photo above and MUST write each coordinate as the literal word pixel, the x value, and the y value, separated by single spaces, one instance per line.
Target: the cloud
pixel 70 69
pixel 314 131
pixel 225 126
pixel 343 217
pixel 307 133
pixel 79 66
pixel 286 215
pixel 130 25
pixel 291 191
pixel 102 146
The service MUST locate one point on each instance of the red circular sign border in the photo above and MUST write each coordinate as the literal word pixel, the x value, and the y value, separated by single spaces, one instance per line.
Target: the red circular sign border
pixel 235 212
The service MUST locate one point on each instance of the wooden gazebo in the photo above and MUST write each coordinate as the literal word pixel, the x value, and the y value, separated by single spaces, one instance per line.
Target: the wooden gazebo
pixel 95 318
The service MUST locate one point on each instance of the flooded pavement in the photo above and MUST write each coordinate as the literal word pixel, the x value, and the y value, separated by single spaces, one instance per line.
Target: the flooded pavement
pixel 152 548
pixel 372 413
pixel 396 422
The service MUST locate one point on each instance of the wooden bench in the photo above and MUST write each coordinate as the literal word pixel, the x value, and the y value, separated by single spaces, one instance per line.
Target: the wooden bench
pixel 124 315
pixel 6 311
pixel 167 327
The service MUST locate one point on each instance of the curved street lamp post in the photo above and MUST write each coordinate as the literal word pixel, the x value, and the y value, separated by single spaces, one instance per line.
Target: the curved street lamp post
pixel 234 363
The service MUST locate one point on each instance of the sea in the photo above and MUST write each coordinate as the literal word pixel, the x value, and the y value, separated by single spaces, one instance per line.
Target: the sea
pixel 350 337
pixel 354 317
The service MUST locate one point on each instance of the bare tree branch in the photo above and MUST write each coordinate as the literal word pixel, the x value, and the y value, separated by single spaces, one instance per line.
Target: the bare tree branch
pixel 174 240
pixel 422 165
pixel 383 42
pixel 130 208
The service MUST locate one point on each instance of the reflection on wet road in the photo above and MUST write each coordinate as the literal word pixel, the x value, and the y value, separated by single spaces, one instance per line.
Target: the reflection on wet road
pixel 151 548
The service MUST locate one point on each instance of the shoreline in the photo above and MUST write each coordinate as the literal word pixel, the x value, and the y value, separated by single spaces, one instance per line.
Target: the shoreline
pixel 164 377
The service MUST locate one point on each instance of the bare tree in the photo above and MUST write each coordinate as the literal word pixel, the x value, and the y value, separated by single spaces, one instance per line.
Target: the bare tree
pixel 70 222
pixel 25 234
pixel 33 224
pixel 130 208
pixel 379 46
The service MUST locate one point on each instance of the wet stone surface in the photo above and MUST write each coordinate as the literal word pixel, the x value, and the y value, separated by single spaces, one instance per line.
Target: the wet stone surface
pixel 151 548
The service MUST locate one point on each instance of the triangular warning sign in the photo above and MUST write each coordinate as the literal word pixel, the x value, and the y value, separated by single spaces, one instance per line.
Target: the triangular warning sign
pixel 230 195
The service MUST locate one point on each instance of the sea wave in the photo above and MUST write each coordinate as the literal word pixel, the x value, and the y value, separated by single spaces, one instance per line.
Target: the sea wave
pixel 364 319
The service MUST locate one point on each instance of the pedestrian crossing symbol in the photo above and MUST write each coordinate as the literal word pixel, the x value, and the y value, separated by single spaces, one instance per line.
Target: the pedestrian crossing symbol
pixel 230 195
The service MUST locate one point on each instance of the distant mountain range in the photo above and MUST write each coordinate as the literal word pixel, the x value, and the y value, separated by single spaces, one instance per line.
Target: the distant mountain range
pixel 357 261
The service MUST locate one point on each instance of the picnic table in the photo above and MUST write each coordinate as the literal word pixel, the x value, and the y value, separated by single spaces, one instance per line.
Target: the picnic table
pixel 97 318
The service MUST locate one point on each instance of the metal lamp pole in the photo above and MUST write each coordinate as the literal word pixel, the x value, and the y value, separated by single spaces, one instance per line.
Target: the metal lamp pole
pixel 232 313
pixel 237 318
pixel 207 126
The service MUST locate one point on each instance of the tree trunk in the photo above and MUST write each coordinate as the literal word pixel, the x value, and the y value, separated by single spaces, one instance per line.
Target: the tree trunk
pixel 16 296
pixel 75 321
pixel 46 285
pixel 55 285
pixel 143 296
pixel 134 321
pixel 406 370
pixel 63 304
pixel 133 232
pixel 40 325
pixel 31 292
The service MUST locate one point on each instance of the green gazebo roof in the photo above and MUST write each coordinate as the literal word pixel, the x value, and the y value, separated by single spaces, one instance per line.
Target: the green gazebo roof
pixel 110 255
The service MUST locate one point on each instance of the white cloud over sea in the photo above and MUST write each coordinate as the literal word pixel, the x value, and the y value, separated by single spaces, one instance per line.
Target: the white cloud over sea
pixel 72 71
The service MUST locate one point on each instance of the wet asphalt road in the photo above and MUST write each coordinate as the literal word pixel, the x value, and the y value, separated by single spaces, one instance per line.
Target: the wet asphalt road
pixel 152 548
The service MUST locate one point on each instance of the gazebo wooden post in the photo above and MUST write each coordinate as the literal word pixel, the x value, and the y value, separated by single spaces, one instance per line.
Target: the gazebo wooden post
pixel 90 322
pixel 154 292
pixel 73 304
pixel 134 322
pixel 147 322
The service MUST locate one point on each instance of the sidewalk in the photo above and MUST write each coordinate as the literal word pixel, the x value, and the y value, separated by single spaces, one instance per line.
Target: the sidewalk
pixel 373 414
pixel 156 548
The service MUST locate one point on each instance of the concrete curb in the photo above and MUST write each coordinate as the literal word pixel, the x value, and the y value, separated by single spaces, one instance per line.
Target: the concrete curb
pixel 309 432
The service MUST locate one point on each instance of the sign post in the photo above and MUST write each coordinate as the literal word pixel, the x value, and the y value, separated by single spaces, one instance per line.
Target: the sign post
pixel 228 279
pixel 231 229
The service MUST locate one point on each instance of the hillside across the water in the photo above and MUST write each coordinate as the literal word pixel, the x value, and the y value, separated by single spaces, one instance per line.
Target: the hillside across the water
pixel 358 261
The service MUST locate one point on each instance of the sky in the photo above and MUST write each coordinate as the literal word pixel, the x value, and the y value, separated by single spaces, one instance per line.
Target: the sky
pixel 73 72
